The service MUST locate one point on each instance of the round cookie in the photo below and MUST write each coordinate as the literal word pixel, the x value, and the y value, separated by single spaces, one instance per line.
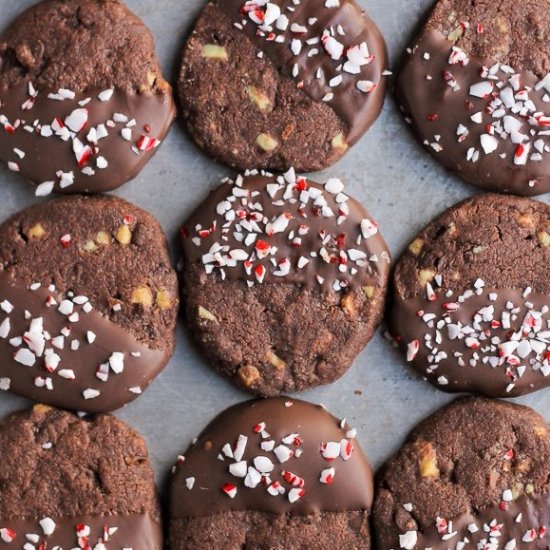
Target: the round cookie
pixel 475 85
pixel 83 104
pixel 471 297
pixel 284 281
pixel 474 475
pixel 273 473
pixel 278 84
pixel 88 302
pixel 75 483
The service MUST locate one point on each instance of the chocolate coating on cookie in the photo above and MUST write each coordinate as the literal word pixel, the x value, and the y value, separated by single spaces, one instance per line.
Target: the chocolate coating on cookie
pixel 304 263
pixel 75 483
pixel 83 104
pixel 278 84
pixel 88 303
pixel 476 88
pixel 472 299
pixel 282 459
pixel 473 475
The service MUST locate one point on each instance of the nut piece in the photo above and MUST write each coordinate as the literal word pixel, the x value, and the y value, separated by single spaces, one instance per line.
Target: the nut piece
pixel 123 235
pixel 544 238
pixel 525 220
pixel 368 291
pixel 41 408
pixel 164 300
pixel 213 51
pixel 426 276
pixel 266 142
pixel 416 246
pixel 428 460
pixel 143 296
pixel 276 361
pixel 347 303
pixel 36 232
pixel 258 97
pixel 205 314
pixel 339 141
pixel 103 238
pixel 89 246
pixel 249 375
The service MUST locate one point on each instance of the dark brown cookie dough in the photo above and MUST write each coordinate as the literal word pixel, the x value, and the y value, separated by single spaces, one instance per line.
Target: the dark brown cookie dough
pixel 471 297
pixel 88 302
pixel 475 85
pixel 277 474
pixel 83 104
pixel 75 483
pixel 474 475
pixel 270 87
pixel 284 281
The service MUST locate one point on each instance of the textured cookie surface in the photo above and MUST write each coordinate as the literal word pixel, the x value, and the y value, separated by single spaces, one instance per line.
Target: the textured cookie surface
pixel 284 281
pixel 278 84
pixel 88 302
pixel 473 475
pixel 471 297
pixel 83 101
pixel 76 483
pixel 476 86
pixel 274 473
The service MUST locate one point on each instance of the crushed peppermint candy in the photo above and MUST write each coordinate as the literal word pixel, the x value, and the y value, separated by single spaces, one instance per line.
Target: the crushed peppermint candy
pixel 264 228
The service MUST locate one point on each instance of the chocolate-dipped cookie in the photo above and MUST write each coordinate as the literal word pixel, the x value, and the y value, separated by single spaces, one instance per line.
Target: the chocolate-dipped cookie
pixel 474 475
pixel 284 280
pixel 88 302
pixel 278 84
pixel 275 473
pixel 75 483
pixel 475 85
pixel 83 104
pixel 471 297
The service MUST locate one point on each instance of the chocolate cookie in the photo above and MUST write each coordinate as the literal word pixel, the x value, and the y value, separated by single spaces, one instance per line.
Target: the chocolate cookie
pixel 474 475
pixel 471 304
pixel 284 281
pixel 82 100
pixel 476 88
pixel 88 302
pixel 279 84
pixel 276 474
pixel 73 483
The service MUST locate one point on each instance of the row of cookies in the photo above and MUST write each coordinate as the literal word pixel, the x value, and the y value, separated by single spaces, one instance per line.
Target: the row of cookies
pixel 279 473
pixel 267 85
pixel 284 283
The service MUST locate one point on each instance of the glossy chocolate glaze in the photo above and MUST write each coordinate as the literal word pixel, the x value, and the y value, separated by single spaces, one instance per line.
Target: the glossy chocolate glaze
pixel 496 373
pixel 351 488
pixel 26 118
pixel 434 88
pixel 253 191
pixel 141 364
pixel 136 532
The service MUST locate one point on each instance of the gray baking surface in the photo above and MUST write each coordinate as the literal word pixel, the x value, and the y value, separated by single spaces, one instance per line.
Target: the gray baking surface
pixel 397 181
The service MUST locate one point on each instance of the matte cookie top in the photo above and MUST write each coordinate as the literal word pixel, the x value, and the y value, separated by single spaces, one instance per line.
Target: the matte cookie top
pixel 475 85
pixel 474 475
pixel 88 302
pixel 284 280
pixel 75 483
pixel 471 297
pixel 275 460
pixel 278 84
pixel 83 104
